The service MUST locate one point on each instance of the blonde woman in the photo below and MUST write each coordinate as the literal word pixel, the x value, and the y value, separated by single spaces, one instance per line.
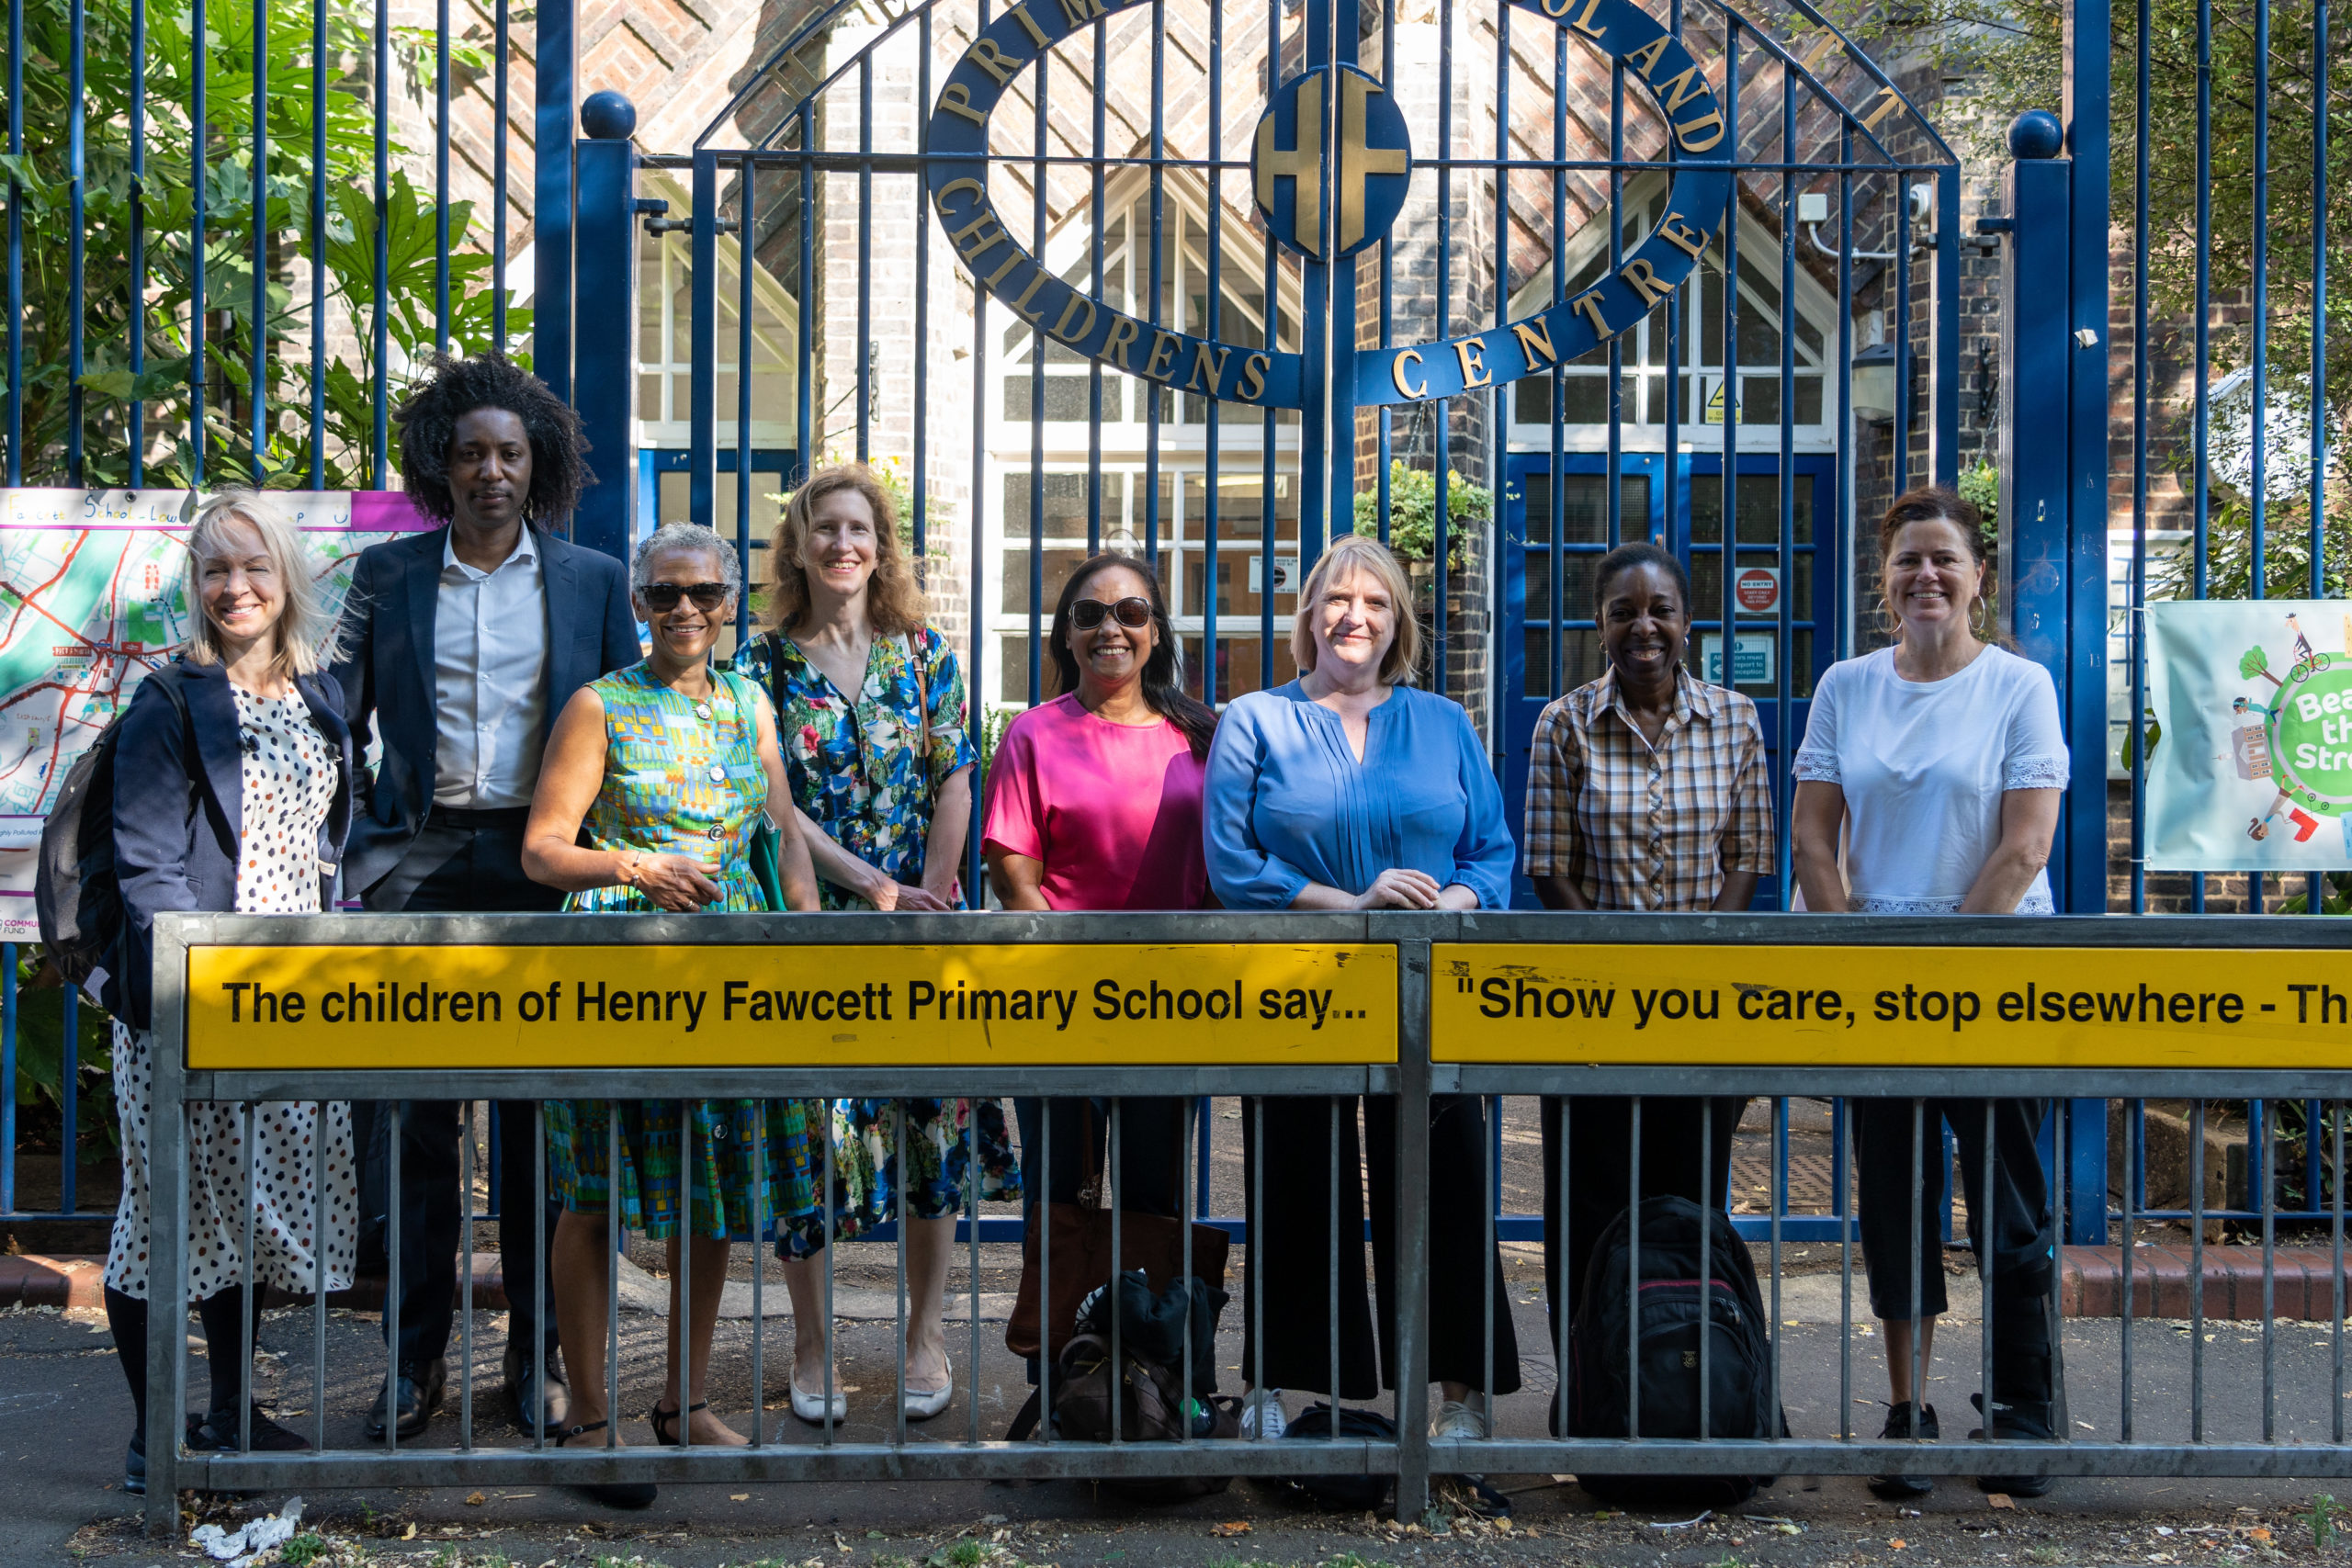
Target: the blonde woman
pixel 233 793
pixel 870 706
pixel 1348 789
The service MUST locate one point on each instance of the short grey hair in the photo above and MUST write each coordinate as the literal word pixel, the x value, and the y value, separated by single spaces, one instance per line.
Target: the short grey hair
pixel 677 539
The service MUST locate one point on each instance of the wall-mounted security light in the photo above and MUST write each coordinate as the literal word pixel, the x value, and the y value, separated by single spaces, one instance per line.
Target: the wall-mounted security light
pixel 1873 384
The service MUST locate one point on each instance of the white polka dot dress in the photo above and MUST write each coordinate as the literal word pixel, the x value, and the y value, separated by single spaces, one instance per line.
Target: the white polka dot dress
pixel 290 780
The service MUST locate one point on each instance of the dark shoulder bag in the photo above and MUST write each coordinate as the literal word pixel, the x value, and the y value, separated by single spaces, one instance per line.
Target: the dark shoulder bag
pixel 1081 1236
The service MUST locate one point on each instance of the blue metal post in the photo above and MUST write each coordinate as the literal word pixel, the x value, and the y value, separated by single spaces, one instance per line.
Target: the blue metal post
pixel 2033 426
pixel 2083 699
pixel 604 344
pixel 556 62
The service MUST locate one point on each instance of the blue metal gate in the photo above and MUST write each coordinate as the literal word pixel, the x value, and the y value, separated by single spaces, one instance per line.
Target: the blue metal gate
pixel 1304 244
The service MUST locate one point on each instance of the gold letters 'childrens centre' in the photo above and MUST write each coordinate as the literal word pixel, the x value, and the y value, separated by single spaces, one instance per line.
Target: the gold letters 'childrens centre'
pixel 1330 168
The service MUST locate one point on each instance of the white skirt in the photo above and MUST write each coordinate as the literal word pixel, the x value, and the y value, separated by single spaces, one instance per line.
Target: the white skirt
pixel 286 1138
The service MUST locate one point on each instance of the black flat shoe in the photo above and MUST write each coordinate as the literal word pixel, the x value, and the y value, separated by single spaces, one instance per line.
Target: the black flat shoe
pixel 2027 1423
pixel 415 1394
pixel 629 1494
pixel 217 1433
pixel 135 1468
pixel 539 1391
pixel 1907 1421
pixel 665 1422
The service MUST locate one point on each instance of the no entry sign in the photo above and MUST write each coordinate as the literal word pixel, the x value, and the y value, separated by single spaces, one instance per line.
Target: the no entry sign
pixel 1758 589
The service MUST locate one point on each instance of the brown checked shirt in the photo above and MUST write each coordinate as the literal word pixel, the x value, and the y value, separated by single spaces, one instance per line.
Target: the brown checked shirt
pixel 1637 828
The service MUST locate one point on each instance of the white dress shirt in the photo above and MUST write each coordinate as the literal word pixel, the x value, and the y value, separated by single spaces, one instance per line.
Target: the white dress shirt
pixel 490 652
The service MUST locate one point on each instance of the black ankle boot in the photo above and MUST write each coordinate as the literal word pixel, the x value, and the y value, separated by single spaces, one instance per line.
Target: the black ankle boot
pixel 2026 1421
pixel 1907 1421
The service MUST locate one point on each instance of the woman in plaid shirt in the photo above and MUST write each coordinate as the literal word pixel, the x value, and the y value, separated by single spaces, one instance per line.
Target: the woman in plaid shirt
pixel 1646 789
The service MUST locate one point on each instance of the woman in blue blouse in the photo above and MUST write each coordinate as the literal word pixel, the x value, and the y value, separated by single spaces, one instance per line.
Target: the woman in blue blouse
pixel 1348 789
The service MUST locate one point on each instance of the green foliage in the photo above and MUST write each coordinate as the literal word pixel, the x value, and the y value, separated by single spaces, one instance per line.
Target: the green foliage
pixel 2252 662
pixel 303 1550
pixel 2011 55
pixel 1412 512
pixel 165 201
pixel 2335 897
pixel 994 721
pixel 1981 487
pixel 40 1039
pixel 963 1554
pixel 2323 1520
pixel 2286 556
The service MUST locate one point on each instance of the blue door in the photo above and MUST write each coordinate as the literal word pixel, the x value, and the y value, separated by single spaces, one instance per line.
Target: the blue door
pixel 1786 615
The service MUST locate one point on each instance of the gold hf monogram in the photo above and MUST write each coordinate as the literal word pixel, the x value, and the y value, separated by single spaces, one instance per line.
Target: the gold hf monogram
pixel 1303 162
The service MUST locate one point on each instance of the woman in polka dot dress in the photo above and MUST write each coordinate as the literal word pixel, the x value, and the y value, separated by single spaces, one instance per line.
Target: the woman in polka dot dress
pixel 241 806
pixel 671 765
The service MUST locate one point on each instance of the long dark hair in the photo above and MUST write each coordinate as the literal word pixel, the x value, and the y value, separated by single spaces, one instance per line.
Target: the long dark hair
pixel 1163 682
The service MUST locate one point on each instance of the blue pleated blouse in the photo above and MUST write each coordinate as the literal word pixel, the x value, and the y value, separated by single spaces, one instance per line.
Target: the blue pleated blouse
pixel 1286 802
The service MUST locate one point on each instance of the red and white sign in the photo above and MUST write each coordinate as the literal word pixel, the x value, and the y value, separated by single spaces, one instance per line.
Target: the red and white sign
pixel 1758 589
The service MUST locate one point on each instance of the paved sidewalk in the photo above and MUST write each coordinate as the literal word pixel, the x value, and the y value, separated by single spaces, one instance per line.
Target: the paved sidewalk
pixel 67 1415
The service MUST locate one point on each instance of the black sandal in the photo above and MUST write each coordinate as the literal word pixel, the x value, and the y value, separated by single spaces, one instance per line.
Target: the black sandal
pixel 612 1494
pixel 658 1419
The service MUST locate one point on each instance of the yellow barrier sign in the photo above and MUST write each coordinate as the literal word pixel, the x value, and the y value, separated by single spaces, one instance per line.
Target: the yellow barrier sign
pixel 426 1007
pixel 2048 1007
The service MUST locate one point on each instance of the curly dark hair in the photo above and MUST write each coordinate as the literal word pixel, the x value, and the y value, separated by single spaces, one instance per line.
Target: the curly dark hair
pixel 455 387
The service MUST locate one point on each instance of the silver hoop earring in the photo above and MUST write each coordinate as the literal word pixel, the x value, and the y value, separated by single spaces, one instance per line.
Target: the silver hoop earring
pixel 1980 623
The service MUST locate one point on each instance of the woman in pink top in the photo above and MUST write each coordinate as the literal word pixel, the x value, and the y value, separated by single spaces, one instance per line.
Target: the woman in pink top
pixel 1094 803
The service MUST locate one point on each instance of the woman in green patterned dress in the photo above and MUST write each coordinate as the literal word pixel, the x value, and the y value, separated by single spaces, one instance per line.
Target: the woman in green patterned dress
pixel 671 764
pixel 870 706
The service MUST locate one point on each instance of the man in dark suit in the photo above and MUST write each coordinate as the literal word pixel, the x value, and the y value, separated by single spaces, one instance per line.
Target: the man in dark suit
pixel 463 645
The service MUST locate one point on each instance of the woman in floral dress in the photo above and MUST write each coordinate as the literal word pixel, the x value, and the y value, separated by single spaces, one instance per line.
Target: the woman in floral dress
pixel 871 706
pixel 671 764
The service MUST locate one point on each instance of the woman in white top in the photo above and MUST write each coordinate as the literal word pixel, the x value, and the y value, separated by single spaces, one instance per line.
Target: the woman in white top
pixel 1941 761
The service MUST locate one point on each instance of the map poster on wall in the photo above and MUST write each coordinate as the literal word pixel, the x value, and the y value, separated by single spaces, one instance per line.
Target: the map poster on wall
pixel 2251 706
pixel 93 596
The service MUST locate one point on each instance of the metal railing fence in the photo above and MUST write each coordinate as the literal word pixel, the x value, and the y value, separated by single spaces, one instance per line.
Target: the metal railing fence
pixel 2279 1442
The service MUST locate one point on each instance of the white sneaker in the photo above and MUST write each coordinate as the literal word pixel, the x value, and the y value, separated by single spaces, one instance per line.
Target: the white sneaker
pixel 1455 1419
pixel 1261 1418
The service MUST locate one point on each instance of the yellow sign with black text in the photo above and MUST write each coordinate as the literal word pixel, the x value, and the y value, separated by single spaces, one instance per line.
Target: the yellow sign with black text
pixel 1073 1004
pixel 2015 1006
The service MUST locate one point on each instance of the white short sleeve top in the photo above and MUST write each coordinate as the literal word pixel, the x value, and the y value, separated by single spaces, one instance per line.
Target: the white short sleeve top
pixel 1923 765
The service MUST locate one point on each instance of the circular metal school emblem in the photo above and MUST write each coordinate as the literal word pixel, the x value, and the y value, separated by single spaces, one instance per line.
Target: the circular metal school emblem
pixel 1332 166
pixel 1370 175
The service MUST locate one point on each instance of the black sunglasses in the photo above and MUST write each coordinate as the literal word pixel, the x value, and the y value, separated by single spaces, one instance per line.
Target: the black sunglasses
pixel 1134 613
pixel 662 597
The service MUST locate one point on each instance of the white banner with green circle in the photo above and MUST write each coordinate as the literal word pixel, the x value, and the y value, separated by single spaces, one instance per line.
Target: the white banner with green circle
pixel 2250 732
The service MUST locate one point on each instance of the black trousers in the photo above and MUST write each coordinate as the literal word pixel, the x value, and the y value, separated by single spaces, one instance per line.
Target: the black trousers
pixel 1290 1251
pixel 472 868
pixel 1149 1179
pixel 2016 1215
pixel 1601 1135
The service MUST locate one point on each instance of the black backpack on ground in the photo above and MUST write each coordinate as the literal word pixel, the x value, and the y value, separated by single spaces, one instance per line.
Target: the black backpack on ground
pixel 1342 1494
pixel 1677 1309
pixel 76 894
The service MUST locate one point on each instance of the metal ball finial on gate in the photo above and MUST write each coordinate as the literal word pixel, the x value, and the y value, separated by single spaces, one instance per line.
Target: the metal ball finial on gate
pixel 2036 133
pixel 606 116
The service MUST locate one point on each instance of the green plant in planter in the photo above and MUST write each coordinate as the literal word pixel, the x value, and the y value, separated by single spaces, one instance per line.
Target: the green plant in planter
pixel 1412 512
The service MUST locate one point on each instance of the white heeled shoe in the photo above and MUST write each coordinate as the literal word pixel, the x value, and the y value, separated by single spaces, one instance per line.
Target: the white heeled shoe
pixel 923 1406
